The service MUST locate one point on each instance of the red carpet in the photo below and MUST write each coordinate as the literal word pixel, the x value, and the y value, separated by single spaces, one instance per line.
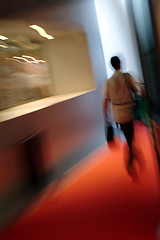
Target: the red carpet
pixel 98 199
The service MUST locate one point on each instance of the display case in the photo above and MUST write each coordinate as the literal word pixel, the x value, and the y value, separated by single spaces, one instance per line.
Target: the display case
pixel 41 64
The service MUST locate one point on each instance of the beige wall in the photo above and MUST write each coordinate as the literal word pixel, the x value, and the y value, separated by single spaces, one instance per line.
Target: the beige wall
pixel 70 64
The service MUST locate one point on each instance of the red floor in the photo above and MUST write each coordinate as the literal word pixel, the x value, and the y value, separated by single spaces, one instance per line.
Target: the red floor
pixel 98 199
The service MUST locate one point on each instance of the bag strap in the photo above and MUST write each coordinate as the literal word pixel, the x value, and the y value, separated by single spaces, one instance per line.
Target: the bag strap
pixel 132 96
pixel 126 80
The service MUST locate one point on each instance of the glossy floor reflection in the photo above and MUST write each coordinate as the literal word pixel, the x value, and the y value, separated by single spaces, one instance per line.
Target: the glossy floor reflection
pixel 99 198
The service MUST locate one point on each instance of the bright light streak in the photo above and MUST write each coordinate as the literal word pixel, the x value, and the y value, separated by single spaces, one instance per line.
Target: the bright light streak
pixel 14 60
pixel 29 57
pixel 41 61
pixel 3 37
pixel 41 31
pixel 22 59
pixel 24 56
pixel 3 46
pixel 26 60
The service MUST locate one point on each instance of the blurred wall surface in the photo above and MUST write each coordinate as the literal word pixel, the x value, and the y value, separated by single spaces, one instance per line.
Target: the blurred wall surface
pixel 74 127
pixel 146 35
pixel 119 38
pixel 76 122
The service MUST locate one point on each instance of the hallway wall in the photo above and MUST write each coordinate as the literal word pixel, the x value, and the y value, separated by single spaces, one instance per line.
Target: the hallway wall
pixel 119 38
pixel 77 121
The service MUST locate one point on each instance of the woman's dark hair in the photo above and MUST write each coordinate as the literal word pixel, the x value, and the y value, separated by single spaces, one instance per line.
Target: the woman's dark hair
pixel 115 62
